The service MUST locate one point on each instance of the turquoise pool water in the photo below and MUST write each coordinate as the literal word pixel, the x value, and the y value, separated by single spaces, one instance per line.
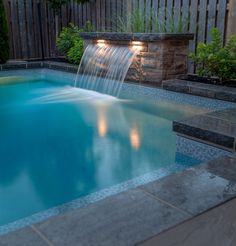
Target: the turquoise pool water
pixel 59 143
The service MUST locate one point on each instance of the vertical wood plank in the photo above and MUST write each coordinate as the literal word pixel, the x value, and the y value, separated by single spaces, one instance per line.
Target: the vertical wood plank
pixel 211 20
pixel 22 29
pixel 193 29
pixel 162 11
pixel 202 21
pixel 231 27
pixel 186 14
pixel 221 18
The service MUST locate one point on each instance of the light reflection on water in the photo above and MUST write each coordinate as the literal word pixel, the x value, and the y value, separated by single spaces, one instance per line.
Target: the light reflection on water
pixel 61 143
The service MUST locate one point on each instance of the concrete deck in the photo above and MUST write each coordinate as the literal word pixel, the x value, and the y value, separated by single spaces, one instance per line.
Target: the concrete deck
pixel 139 214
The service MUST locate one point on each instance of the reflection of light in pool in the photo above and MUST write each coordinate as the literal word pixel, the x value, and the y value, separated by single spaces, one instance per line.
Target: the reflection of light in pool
pixel 135 138
pixel 102 124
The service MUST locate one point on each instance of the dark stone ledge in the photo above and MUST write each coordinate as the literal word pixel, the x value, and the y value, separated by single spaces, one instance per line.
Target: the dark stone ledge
pixel 201 89
pixel 217 128
pixel 144 37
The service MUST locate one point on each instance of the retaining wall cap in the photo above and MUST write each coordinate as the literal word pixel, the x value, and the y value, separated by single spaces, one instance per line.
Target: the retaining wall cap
pixel 145 37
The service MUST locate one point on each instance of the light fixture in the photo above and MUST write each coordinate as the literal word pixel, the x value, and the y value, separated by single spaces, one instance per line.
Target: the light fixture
pixel 101 42
pixel 137 45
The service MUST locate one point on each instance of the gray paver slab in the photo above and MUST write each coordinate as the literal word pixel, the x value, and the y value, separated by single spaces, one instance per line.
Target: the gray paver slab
pixel 124 219
pixel 216 227
pixel 23 237
pixel 197 190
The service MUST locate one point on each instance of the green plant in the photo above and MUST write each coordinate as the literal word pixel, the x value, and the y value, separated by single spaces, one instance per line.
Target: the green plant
pixel 213 60
pixel 134 22
pixel 142 21
pixel 67 38
pixel 75 53
pixel 4 40
pixel 88 27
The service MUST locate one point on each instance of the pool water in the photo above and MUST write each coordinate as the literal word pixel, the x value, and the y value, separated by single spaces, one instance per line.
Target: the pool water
pixel 59 143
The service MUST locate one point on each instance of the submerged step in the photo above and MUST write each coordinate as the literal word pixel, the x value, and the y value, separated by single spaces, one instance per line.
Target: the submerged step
pixel 216 128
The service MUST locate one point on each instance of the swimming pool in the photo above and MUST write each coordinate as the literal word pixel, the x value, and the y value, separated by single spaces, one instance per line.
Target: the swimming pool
pixel 59 144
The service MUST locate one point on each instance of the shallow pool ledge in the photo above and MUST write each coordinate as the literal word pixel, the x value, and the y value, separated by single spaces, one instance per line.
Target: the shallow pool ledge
pixel 161 56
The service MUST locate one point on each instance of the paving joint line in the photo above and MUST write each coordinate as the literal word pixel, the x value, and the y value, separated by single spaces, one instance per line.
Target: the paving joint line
pixel 165 202
pixel 41 235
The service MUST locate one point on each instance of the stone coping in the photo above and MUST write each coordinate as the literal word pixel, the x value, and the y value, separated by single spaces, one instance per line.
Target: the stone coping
pixel 144 37
pixel 62 66
pixel 136 215
pixel 217 128
pixel 201 89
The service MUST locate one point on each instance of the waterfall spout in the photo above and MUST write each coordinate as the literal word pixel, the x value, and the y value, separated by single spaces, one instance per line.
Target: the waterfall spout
pixel 103 68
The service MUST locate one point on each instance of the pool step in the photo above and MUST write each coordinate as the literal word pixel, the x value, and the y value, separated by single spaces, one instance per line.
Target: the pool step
pixel 216 128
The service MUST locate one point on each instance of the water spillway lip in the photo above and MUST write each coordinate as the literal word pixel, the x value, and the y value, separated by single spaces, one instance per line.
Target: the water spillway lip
pixel 144 37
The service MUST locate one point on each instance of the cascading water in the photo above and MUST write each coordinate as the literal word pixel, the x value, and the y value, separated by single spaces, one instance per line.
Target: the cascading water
pixel 103 68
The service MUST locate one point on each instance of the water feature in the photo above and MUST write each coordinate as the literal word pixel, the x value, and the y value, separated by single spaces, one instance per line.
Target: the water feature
pixel 104 67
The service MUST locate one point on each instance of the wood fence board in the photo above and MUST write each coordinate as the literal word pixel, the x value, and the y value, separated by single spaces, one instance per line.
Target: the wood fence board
pixel 24 22
pixel 211 20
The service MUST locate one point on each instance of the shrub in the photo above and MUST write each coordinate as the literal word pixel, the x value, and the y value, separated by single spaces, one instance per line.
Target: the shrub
pixel 68 36
pixel 75 53
pixel 4 42
pixel 70 43
pixel 213 60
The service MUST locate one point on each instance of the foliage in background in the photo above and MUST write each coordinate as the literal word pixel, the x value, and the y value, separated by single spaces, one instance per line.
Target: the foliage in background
pixel 4 40
pixel 70 43
pixel 56 6
pixel 67 38
pixel 142 21
pixel 75 54
pixel 213 60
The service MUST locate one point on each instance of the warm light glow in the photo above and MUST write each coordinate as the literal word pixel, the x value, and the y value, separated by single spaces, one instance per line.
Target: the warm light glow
pixel 102 124
pixel 137 45
pixel 135 138
pixel 101 42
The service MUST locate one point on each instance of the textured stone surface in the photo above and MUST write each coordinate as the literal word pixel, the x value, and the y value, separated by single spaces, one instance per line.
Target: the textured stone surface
pixel 216 128
pixel 201 89
pixel 136 215
pixel 216 227
pixel 124 219
pixel 24 237
pixel 197 190
pixel 160 57
pixel 43 64
pixel 149 37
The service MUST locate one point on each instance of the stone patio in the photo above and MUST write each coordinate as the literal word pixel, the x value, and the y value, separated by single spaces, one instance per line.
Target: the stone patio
pixel 139 214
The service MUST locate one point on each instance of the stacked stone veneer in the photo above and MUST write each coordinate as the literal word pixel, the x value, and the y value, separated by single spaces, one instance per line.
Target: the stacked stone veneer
pixel 161 56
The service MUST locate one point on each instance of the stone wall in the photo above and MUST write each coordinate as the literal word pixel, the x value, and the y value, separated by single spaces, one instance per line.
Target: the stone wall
pixel 160 56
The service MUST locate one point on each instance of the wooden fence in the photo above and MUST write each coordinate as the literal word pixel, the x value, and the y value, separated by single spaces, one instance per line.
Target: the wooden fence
pixel 32 22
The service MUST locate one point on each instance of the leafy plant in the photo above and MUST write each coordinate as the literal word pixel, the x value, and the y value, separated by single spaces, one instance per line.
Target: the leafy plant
pixel 67 38
pixel 70 43
pixel 75 54
pixel 213 60
pixel 4 40
pixel 88 27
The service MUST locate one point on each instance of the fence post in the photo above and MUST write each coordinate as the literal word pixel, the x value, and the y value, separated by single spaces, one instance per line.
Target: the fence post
pixel 231 27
